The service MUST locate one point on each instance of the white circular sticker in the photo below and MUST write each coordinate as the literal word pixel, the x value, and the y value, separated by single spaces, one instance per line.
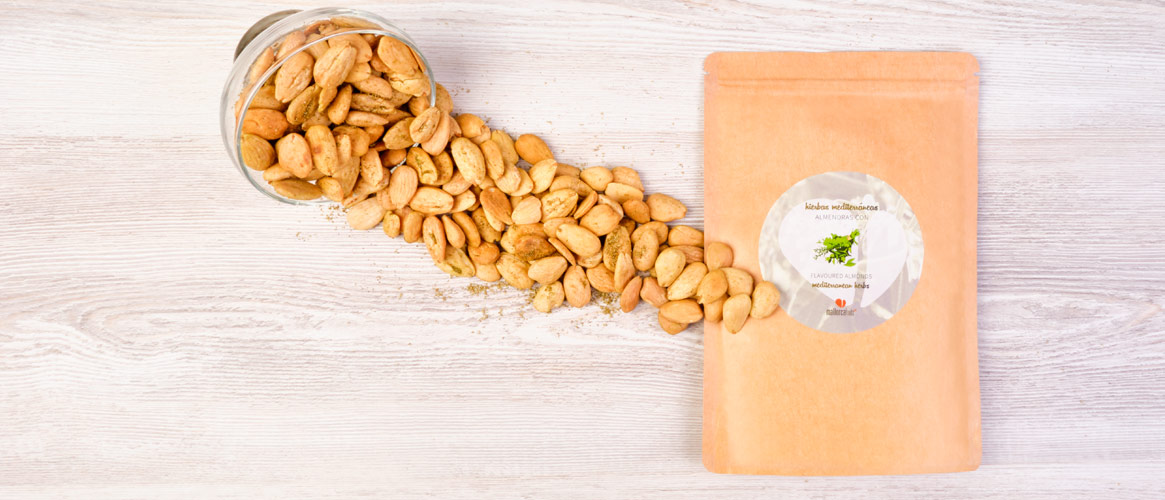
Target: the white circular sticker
pixel 845 250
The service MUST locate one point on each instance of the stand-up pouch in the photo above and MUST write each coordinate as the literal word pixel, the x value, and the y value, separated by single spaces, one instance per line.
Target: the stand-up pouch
pixel 849 181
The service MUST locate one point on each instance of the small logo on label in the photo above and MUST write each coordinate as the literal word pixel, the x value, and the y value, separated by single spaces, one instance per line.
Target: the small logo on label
pixel 840 302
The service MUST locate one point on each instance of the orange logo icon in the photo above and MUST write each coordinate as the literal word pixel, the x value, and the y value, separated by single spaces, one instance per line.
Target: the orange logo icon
pixel 839 302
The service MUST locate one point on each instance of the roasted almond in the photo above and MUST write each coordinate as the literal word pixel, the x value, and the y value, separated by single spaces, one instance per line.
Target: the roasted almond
pixel 739 281
pixel 425 125
pixel 324 154
pixel 391 224
pixel 668 266
pixel 735 312
pixel 532 149
pixel 397 136
pixel 547 269
pixel 637 210
pixel 395 55
pixel 600 219
pixel 616 243
pixel 495 165
pixel 669 326
pixel 496 204
pixel 685 311
pixel 506 144
pixel 664 208
pixel 562 250
pixel 578 239
pixel 560 203
pixel 365 215
pixel 431 201
pixel 621 193
pixel 484 253
pixel 456 264
pixel 628 176
pixel 294 76
pixel 411 224
pixel 402 186
pixel 644 251
pixel 601 279
pixel 577 286
pixel 543 174
pixel 363 49
pixel 469 160
pixel 629 298
pixel 687 282
pixel 527 211
pixel 453 233
pixel 624 271
pixel 652 293
pixel 586 204
pixel 515 271
pixel 433 234
pixel 765 299
pixel 294 154
pixel 435 144
pixel 685 235
pixel 297 189
pixel 269 124
pixel 717 255
pixel 713 287
pixel 487 272
pixel 464 201
pixel 331 69
pixel 257 153
pixel 691 253
pixel 597 177
pixel 548 297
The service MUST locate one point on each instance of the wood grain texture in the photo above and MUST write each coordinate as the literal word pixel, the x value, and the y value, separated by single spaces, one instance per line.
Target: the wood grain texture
pixel 167 332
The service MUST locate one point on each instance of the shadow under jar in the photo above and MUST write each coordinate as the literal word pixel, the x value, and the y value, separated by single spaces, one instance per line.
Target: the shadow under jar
pixel 278 40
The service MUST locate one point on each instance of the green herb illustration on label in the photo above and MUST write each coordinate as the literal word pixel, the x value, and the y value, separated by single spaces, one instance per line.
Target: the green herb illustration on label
pixel 837 248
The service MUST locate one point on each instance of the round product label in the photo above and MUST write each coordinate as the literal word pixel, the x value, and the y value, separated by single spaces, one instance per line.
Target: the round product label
pixel 845 250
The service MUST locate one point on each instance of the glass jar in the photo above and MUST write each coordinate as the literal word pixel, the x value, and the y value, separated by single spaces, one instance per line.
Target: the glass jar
pixel 269 32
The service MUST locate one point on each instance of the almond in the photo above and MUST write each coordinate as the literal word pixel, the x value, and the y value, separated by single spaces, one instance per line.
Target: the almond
pixel 687 282
pixel 629 298
pixel 597 177
pixel 294 154
pixel 644 251
pixel 334 191
pixel 484 253
pixel 464 201
pixel 269 124
pixel 495 165
pixel 548 297
pixel 356 41
pixel 601 279
pixel 487 231
pixel 380 87
pixel 402 186
pixel 717 255
pixel 600 220
pixel 578 239
pixel 257 153
pixel 684 311
pixel 297 189
pixel 506 144
pixel 366 119
pixel 621 193
pixel 664 208
pixel 391 224
pixel 616 243
pixel 712 287
pixel 691 253
pixel 395 55
pixel 652 293
pixel 469 160
pixel 543 174
pixel 685 235
pixel 294 76
pixel 670 326
pixel 628 176
pixel 560 203
pixel 365 215
pixel 624 271
pixel 456 264
pixel 739 281
pixel 435 145
pixel 714 311
pixel 431 201
pixel 415 83
pixel 765 299
pixel 427 172
pixel 453 233
pixel 577 286
pixel 735 312
pixel 586 204
pixel 433 234
pixel 324 154
pixel 590 261
pixel 668 266
pixel 527 211
pixel 515 271
pixel 532 149
pixel 304 106
pixel 334 65
pixel 637 210
pixel 547 269
pixel 411 225
pixel 261 65
pixel 561 247
pixel 487 272
pixel 425 125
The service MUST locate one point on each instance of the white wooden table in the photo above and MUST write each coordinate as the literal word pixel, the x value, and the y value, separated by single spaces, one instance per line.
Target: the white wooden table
pixel 168 332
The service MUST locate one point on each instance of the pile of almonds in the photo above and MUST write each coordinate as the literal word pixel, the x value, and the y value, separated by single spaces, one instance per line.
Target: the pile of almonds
pixel 349 119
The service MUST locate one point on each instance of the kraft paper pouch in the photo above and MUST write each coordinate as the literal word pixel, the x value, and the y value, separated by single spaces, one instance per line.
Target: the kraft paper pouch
pixel 849 180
